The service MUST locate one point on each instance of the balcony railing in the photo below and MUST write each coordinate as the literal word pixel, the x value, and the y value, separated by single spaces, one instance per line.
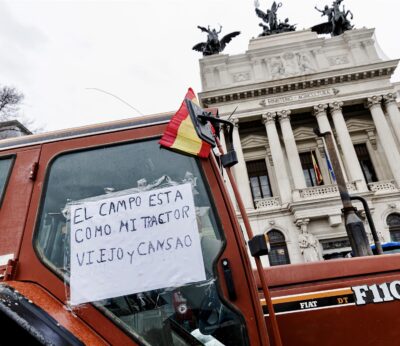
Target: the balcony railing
pixel 268 203
pixel 383 186
pixel 324 191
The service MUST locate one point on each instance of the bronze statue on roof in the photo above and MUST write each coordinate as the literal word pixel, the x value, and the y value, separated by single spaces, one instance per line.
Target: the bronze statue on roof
pixel 337 22
pixel 271 24
pixel 214 45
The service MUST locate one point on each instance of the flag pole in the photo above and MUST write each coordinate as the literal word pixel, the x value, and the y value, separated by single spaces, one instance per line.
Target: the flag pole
pixel 318 176
pixel 332 176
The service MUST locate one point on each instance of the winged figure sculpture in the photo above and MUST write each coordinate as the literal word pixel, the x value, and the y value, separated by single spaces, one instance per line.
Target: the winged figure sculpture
pixel 271 24
pixel 214 45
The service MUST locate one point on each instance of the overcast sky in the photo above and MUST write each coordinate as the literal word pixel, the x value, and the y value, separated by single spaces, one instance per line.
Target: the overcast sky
pixel 60 53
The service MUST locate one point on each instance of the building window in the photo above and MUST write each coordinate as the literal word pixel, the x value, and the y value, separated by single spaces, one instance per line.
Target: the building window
pixel 335 248
pixel 5 171
pixel 259 180
pixel 309 171
pixel 393 221
pixel 365 163
pixel 279 253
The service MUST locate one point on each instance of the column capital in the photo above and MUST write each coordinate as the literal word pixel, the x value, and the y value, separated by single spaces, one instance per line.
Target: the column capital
pixel 235 122
pixel 389 98
pixel 268 117
pixel 320 109
pixel 374 101
pixel 284 115
pixel 336 106
pixel 302 224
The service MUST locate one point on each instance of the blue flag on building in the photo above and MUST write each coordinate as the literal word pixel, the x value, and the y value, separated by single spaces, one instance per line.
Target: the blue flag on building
pixel 330 169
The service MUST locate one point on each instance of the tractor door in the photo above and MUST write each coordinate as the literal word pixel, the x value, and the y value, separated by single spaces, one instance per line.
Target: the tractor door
pixel 17 175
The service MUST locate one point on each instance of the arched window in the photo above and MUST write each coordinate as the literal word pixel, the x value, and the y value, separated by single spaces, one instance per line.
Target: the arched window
pixel 279 253
pixel 393 221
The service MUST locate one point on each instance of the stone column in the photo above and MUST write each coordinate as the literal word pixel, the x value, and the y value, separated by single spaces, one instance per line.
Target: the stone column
pixel 240 170
pixel 349 153
pixel 324 126
pixel 282 177
pixel 291 150
pixel 393 111
pixel 385 136
pixel 322 118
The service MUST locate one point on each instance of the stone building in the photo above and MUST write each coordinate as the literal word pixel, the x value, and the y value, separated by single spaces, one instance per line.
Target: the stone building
pixel 286 85
pixel 12 128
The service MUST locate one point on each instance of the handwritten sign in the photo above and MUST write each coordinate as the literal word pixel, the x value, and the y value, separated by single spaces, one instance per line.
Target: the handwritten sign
pixel 134 243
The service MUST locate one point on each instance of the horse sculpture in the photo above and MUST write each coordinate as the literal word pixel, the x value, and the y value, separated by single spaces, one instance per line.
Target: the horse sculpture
pixel 337 20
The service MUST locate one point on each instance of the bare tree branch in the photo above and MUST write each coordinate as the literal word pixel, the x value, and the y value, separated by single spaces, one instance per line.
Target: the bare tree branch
pixel 10 101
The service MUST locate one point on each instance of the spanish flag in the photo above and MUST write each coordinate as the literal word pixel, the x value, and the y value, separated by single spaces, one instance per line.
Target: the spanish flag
pixel 180 133
pixel 318 175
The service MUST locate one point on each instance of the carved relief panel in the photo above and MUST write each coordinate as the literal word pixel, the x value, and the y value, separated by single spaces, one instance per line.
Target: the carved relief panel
pixel 291 64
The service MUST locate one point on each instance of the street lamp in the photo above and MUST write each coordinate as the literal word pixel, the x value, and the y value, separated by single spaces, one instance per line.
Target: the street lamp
pixel 354 226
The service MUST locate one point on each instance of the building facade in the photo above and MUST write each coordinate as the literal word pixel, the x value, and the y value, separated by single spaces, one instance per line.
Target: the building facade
pixel 284 86
pixel 12 128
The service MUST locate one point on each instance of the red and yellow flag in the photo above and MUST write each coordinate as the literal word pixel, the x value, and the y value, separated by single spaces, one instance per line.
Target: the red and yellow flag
pixel 180 133
pixel 318 175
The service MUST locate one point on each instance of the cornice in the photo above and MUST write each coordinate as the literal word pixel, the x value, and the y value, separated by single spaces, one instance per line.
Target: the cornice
pixel 299 83
pixel 308 104
pixel 269 52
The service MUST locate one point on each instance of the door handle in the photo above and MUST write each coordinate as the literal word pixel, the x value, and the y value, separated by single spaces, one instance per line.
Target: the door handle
pixel 229 279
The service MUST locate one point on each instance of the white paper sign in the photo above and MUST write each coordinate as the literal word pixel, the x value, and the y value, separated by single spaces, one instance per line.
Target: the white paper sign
pixel 134 243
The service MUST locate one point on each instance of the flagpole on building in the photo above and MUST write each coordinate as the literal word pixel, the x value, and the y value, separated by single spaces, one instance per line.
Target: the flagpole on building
pixel 329 164
pixel 317 171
